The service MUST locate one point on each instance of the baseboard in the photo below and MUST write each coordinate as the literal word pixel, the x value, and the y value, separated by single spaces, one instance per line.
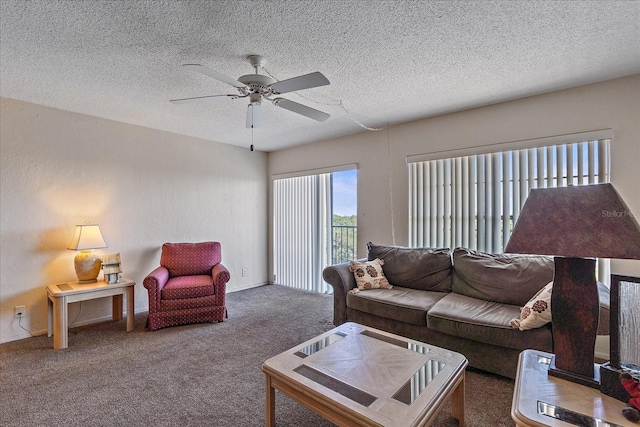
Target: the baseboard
pixel 243 288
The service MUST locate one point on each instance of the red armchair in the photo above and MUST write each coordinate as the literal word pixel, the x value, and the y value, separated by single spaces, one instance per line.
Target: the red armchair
pixel 188 287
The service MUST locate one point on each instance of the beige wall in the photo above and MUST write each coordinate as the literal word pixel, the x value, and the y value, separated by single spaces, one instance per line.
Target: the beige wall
pixel 614 104
pixel 144 187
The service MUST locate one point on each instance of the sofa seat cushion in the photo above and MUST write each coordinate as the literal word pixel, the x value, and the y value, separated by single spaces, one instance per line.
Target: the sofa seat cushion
pixel 485 321
pixel 188 287
pixel 401 304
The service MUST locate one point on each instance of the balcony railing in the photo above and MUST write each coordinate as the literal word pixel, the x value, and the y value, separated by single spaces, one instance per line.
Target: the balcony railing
pixel 344 242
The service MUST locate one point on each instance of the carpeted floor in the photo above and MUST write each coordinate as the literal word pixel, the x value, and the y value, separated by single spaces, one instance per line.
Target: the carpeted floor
pixel 195 375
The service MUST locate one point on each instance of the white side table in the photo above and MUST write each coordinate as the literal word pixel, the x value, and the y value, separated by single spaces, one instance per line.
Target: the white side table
pixel 60 295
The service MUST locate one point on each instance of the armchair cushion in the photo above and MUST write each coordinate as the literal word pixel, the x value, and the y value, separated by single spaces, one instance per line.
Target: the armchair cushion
pixel 188 287
pixel 185 259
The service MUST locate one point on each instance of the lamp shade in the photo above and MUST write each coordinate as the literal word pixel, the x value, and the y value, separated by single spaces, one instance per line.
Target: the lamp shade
pixel 87 237
pixel 576 221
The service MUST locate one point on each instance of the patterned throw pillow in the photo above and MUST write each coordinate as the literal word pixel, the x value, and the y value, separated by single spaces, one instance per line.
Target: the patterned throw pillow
pixel 536 312
pixel 369 275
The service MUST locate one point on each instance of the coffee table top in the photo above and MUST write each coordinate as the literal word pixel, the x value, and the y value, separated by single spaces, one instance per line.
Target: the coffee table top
pixel 382 377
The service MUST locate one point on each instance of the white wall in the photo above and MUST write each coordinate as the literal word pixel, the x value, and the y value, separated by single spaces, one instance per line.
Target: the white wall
pixel 143 187
pixel 614 104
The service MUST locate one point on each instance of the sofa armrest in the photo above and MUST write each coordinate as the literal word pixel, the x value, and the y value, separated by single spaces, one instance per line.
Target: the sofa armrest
pixel 154 282
pixel 341 279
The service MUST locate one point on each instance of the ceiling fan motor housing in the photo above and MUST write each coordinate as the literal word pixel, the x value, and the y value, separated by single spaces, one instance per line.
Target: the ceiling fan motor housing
pixel 257 83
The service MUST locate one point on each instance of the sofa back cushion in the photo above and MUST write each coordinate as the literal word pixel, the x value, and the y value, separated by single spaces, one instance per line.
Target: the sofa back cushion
pixel 426 269
pixel 190 259
pixel 505 278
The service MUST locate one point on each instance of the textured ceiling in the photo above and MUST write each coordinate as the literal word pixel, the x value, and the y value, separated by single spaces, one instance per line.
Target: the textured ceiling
pixel 387 61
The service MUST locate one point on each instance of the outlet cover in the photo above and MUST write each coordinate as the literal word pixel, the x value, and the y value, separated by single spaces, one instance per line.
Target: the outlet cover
pixel 19 310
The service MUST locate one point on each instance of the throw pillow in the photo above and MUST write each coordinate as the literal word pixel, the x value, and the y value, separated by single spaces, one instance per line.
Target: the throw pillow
pixel 536 312
pixel 369 274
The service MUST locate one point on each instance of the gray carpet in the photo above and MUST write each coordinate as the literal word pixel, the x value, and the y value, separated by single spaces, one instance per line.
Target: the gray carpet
pixel 195 375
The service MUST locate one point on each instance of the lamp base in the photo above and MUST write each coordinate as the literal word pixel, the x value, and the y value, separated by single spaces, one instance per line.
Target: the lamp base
pixel 574 313
pixel 593 382
pixel 87 265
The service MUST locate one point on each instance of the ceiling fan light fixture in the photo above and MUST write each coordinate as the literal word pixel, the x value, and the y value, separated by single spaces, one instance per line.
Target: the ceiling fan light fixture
pixel 254 113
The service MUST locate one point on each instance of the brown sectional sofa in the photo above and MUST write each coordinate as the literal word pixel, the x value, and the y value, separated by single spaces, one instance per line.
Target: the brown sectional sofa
pixel 461 300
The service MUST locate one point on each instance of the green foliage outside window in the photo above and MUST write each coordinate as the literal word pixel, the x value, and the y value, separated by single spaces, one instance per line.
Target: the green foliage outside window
pixel 345 236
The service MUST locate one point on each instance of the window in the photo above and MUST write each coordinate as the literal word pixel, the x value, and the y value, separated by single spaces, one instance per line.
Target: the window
pixel 313 225
pixel 344 224
pixel 474 200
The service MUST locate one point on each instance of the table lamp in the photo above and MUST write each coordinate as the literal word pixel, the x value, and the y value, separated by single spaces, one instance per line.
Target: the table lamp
pixel 575 224
pixel 87 238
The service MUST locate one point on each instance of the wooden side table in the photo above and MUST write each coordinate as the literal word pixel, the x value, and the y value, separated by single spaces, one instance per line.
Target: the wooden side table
pixel 543 400
pixel 60 295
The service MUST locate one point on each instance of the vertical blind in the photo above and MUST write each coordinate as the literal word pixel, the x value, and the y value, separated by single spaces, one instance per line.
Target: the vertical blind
pixel 302 231
pixel 474 201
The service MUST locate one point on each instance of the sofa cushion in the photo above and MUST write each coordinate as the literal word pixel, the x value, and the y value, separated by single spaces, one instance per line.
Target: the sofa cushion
pixel 505 278
pixel 427 269
pixel 369 274
pixel 485 321
pixel 401 304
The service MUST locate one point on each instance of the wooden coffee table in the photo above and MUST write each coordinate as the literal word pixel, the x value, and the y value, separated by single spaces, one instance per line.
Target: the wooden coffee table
pixel 354 375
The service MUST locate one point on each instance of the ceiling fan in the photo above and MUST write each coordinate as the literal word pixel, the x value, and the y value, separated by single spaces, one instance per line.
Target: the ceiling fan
pixel 258 87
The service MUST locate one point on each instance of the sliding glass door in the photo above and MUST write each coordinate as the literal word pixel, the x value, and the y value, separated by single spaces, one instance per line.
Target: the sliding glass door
pixel 307 234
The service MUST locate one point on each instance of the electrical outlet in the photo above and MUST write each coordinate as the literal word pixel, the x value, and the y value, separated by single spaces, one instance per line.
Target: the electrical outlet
pixel 245 270
pixel 19 310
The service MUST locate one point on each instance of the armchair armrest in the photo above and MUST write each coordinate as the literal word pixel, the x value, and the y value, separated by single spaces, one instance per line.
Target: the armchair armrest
pixel 341 279
pixel 154 282
pixel 220 276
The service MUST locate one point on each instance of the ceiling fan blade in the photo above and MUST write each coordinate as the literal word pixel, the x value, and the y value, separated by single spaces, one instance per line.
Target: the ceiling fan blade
pixel 197 99
pixel 254 115
pixel 312 113
pixel 216 75
pixel 299 83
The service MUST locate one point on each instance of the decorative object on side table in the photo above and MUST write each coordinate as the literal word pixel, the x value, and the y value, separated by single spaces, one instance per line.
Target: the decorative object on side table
pixel 87 237
pixel 624 337
pixel 111 268
pixel 574 223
